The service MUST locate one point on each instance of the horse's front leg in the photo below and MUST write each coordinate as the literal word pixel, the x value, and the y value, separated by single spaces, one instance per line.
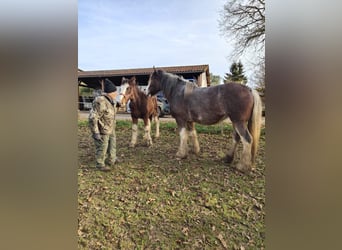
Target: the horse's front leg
pixel 134 132
pixel 183 146
pixel 193 136
pixel 156 120
pixel 147 135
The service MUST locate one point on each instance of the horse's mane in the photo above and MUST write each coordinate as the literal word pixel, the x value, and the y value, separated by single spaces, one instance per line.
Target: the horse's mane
pixel 170 81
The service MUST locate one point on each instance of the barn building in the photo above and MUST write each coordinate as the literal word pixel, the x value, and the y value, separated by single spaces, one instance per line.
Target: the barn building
pixel 92 79
pixel 197 73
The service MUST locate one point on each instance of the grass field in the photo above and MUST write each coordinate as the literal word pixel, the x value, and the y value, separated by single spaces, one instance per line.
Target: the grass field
pixel 153 201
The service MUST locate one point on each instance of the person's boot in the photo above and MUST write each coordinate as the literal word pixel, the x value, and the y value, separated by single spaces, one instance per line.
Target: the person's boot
pixel 103 168
pixel 112 163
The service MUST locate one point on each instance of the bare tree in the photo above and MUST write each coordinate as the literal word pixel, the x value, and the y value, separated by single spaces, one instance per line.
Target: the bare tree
pixel 244 21
pixel 260 78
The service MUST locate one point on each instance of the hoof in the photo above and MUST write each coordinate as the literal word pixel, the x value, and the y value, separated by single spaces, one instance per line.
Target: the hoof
pixel 148 142
pixel 243 168
pixel 194 152
pixel 228 159
pixel 181 156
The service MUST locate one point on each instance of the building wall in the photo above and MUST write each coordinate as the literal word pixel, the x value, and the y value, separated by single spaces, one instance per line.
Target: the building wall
pixel 202 80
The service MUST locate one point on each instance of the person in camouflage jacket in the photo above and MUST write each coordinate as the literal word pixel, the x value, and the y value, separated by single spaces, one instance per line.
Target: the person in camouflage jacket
pixel 102 125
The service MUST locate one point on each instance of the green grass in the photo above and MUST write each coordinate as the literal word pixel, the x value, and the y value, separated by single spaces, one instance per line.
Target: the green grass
pixel 153 201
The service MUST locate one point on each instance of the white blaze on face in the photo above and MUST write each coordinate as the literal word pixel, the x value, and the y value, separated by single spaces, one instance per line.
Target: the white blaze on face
pixel 119 97
pixel 148 86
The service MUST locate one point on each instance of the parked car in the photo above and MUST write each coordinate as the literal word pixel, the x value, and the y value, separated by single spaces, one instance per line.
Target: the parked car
pixel 128 108
pixel 163 106
pixel 85 102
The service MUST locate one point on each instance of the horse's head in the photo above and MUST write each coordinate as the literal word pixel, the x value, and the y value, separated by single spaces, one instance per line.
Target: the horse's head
pixel 131 88
pixel 127 89
pixel 121 96
pixel 154 83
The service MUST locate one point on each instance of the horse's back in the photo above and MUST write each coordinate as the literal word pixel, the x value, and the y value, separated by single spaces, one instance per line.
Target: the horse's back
pixel 230 94
pixel 239 100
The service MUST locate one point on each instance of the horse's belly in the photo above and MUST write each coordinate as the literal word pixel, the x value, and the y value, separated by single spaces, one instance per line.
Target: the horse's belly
pixel 207 119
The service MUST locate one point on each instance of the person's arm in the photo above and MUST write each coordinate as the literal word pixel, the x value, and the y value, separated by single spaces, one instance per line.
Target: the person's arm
pixel 94 116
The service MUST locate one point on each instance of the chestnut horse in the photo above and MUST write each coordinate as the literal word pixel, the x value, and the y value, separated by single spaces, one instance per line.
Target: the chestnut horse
pixel 190 104
pixel 141 106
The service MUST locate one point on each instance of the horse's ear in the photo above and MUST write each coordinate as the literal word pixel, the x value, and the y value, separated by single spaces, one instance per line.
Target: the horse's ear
pixel 132 81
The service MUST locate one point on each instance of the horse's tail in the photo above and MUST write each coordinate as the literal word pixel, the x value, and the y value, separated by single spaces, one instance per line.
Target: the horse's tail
pixel 254 124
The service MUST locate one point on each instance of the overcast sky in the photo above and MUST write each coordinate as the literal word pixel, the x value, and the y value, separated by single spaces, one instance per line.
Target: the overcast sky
pixel 125 34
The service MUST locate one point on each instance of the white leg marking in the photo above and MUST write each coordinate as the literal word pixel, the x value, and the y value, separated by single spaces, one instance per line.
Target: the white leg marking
pixel 134 135
pixel 148 133
pixel 195 143
pixel 156 119
pixel 183 147
pixel 245 163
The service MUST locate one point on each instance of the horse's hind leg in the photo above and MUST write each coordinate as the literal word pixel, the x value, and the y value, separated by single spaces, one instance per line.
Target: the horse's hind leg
pixel 147 135
pixel 245 163
pixel 134 133
pixel 230 155
pixel 193 136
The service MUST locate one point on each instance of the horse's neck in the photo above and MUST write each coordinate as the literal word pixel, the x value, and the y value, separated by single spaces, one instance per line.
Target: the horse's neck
pixel 168 87
pixel 137 95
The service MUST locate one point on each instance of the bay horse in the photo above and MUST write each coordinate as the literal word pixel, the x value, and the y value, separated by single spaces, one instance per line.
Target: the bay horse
pixel 142 106
pixel 190 103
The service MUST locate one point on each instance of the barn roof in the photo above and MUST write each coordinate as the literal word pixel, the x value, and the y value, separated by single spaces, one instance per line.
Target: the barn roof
pixel 90 78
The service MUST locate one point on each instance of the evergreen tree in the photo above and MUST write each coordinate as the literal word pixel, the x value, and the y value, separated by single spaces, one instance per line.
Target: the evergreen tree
pixel 236 74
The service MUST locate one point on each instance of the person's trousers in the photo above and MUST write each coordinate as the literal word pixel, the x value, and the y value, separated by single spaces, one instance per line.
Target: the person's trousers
pixel 105 150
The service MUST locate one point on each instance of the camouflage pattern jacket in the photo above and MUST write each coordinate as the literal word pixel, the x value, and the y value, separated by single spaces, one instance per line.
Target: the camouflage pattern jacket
pixel 102 115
